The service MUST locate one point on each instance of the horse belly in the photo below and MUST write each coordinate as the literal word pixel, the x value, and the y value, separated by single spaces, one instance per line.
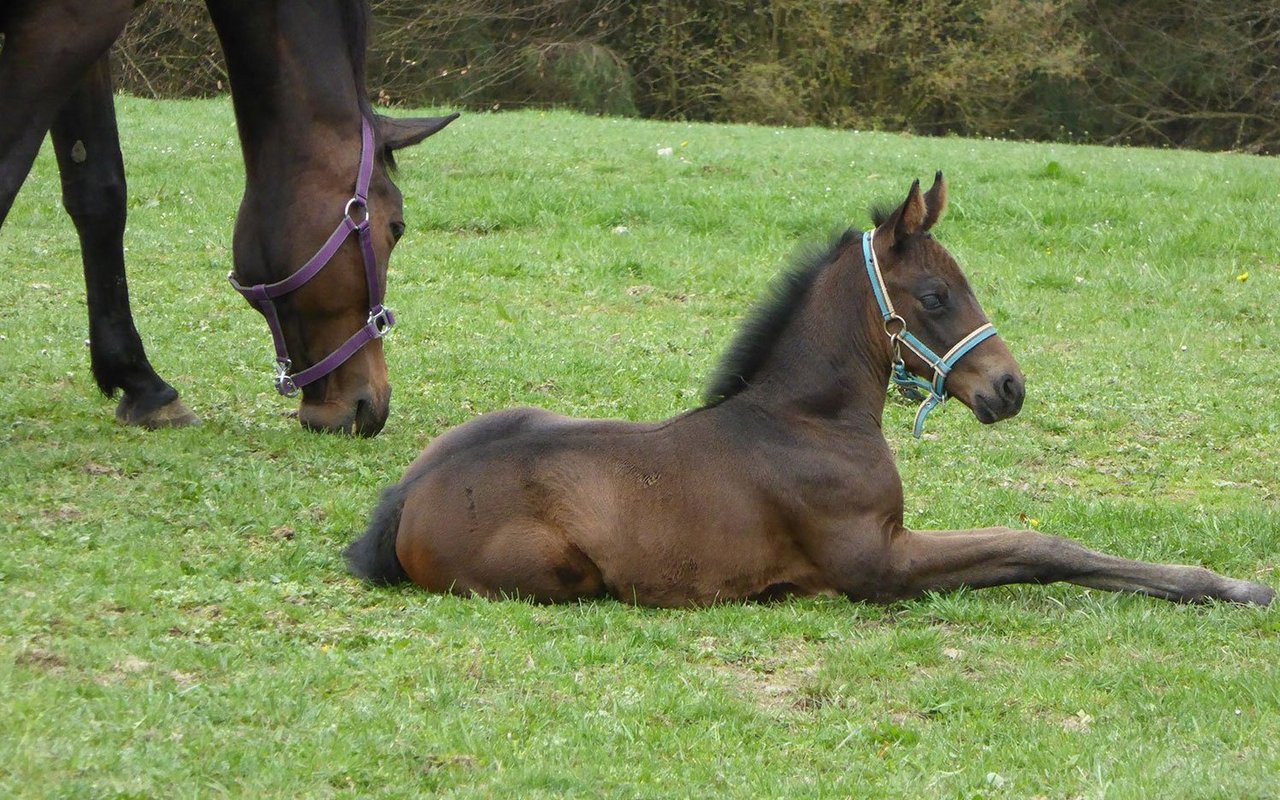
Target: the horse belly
pixel 692 549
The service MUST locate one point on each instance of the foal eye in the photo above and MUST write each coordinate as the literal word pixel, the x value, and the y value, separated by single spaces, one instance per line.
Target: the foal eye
pixel 397 230
pixel 931 302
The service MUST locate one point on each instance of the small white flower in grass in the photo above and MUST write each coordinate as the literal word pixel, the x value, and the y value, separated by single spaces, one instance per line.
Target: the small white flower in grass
pixel 665 152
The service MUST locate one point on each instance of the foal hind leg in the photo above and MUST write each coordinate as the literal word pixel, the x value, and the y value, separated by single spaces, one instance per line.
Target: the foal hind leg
pixel 87 145
pixel 522 559
pixel 924 561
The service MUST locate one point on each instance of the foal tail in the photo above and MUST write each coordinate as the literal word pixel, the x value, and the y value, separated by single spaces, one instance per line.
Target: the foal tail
pixel 373 556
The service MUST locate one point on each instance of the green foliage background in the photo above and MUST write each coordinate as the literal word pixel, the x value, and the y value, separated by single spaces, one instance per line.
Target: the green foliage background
pixel 1183 73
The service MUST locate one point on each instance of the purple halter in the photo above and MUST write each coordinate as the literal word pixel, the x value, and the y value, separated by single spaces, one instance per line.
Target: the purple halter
pixel 262 296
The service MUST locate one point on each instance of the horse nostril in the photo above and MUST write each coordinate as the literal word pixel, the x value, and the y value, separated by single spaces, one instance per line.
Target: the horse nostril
pixel 369 417
pixel 1011 390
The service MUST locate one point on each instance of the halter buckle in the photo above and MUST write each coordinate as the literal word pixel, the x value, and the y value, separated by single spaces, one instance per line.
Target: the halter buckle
pixel 911 387
pixel 284 381
pixel 382 319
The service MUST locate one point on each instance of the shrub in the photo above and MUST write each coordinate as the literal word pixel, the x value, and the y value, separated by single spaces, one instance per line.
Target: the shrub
pixel 1172 72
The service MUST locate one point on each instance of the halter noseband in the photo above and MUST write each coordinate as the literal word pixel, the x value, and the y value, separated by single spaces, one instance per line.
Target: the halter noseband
pixel 262 296
pixel 912 386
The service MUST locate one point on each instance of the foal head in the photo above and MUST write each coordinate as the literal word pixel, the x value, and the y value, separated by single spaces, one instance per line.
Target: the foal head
pixel 932 304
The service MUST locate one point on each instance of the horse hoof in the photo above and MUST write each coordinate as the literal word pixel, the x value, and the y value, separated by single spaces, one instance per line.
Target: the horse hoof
pixel 1249 593
pixel 170 415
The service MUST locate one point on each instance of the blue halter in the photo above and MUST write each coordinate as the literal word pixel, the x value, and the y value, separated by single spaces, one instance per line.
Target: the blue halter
pixel 931 394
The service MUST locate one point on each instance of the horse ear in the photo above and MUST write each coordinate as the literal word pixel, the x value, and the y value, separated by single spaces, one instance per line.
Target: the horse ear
pixel 399 133
pixel 909 217
pixel 935 201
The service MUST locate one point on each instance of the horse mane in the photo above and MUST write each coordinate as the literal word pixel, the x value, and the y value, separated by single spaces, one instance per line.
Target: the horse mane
pixel 756 338
pixel 355 27
pixel 880 213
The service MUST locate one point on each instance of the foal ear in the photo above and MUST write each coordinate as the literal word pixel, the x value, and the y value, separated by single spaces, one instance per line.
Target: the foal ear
pixel 935 201
pixel 399 133
pixel 908 219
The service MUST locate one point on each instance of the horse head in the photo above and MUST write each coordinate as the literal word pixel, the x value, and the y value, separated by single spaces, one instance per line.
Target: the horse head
pixel 928 309
pixel 326 316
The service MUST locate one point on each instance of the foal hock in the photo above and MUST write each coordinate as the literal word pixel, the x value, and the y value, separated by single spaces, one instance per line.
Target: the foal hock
pixel 781 484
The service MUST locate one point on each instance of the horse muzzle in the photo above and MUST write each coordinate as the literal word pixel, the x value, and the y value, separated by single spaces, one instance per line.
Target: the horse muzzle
pixel 1001 400
pixel 365 416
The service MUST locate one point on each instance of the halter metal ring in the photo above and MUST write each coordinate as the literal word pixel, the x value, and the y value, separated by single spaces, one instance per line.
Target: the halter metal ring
pixel 902 326
pixel 363 205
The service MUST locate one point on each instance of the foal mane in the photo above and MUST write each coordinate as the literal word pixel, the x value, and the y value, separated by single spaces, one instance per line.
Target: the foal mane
pixel 756 338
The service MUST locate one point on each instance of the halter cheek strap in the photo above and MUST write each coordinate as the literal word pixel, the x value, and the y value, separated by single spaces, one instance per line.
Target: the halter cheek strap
pixel 931 394
pixel 262 296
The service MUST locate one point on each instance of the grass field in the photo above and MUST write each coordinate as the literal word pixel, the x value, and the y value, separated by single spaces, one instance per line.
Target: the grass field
pixel 175 620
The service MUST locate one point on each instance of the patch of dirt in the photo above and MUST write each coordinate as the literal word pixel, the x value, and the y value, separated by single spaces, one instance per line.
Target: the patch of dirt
pixel 122 670
pixel 64 513
pixel 41 659
pixel 776 689
pixel 184 679
pixel 1079 722
pixel 100 469
pixel 434 761
pixel 771 682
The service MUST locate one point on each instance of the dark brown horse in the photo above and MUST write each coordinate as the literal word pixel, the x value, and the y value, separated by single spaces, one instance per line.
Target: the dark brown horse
pixel 314 187
pixel 782 484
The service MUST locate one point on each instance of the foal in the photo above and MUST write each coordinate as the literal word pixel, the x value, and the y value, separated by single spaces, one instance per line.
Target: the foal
pixel 782 484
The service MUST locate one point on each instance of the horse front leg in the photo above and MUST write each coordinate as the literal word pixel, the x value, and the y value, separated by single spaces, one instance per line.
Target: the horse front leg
pixel 925 561
pixel 87 144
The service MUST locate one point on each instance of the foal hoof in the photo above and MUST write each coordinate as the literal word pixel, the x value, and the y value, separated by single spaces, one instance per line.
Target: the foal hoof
pixel 170 415
pixel 1249 593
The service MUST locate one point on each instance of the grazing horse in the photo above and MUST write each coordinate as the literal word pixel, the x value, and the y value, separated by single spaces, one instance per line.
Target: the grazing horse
pixel 782 484
pixel 319 215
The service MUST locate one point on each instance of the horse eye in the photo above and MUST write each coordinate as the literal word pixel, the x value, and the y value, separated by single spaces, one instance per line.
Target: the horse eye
pixel 397 230
pixel 931 302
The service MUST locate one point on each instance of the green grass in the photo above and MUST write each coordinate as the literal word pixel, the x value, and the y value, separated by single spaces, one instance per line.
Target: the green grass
pixel 174 616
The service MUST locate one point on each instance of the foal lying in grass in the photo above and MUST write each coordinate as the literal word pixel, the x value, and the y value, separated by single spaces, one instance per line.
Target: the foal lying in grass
pixel 782 484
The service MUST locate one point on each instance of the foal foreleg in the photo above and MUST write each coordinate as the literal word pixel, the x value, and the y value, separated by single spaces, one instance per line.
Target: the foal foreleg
pixel 923 561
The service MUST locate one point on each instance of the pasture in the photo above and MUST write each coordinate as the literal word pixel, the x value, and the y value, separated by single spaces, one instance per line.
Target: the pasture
pixel 176 620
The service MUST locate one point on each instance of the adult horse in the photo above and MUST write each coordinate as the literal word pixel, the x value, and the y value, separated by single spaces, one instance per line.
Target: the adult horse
pixel 319 215
pixel 782 484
